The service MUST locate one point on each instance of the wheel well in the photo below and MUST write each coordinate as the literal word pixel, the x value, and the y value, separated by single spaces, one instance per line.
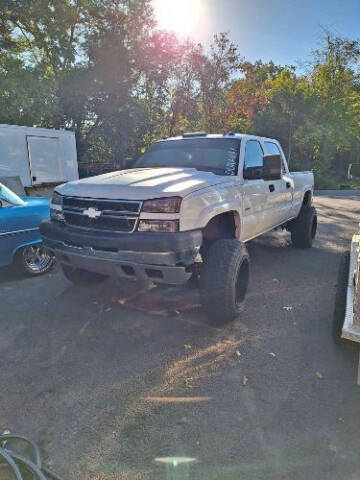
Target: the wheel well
pixel 307 198
pixel 224 225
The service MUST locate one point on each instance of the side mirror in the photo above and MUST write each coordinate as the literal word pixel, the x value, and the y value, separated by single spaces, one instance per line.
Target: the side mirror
pixel 253 173
pixel 272 167
pixel 1 203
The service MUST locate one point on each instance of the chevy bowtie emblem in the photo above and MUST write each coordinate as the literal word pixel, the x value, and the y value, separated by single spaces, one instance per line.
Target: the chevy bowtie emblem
pixel 92 212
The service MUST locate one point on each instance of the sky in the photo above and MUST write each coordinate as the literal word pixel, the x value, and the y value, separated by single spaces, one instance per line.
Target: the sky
pixel 285 31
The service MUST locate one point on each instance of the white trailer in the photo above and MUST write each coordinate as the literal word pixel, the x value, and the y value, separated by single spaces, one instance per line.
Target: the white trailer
pixel 39 156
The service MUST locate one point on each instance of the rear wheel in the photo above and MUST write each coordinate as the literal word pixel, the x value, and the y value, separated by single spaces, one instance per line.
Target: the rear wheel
pixel 80 277
pixel 224 280
pixel 34 260
pixel 303 228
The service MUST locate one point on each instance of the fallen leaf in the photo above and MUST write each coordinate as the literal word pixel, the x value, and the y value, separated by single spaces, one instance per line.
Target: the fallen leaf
pixel 84 327
pixel 188 382
pixel 319 375
pixel 182 421
pixel 332 447
pixel 187 346
pixel 244 380
pixel 287 308
pixel 272 354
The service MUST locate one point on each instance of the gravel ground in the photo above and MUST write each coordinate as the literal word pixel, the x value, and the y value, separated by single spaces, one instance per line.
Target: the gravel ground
pixel 98 376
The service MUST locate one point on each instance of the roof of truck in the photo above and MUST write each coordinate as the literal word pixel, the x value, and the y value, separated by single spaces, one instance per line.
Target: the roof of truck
pixel 187 136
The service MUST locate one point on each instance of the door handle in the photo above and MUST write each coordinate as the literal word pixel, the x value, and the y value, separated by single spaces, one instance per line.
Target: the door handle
pixel 288 185
pixel 271 187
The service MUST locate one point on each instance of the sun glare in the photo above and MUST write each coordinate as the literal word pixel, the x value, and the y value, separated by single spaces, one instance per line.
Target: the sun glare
pixel 179 16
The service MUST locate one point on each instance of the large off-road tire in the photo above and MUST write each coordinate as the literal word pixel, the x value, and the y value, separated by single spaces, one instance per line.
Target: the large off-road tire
pixel 340 299
pixel 82 278
pixel 224 280
pixel 303 228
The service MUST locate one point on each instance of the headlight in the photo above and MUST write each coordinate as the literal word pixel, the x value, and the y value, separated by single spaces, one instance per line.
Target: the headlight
pixel 160 226
pixel 57 199
pixel 162 205
pixel 56 212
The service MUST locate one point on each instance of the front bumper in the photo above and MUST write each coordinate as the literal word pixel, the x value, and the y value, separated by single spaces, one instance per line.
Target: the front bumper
pixel 159 257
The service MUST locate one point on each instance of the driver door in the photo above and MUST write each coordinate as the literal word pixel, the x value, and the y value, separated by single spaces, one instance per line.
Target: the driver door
pixel 255 193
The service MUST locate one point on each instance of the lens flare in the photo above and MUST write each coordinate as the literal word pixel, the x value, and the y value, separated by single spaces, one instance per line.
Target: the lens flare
pixel 179 16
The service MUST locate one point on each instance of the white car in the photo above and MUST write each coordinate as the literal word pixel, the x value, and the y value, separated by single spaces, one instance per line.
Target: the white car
pixel 186 210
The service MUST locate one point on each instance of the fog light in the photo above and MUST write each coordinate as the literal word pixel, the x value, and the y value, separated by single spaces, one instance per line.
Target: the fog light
pixel 160 226
pixel 57 215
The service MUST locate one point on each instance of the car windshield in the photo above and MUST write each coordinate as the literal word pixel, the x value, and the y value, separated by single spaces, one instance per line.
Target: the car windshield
pixel 216 155
pixel 6 195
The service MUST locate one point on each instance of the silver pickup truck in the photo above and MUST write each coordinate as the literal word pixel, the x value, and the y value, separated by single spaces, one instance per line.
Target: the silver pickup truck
pixel 185 211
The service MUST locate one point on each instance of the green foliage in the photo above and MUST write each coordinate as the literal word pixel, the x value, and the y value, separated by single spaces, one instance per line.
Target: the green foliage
pixel 103 69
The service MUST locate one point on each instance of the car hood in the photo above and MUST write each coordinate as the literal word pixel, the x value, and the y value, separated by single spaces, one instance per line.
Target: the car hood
pixel 143 183
pixel 36 201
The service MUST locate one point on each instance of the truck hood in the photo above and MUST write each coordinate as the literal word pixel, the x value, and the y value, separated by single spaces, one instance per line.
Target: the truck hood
pixel 143 183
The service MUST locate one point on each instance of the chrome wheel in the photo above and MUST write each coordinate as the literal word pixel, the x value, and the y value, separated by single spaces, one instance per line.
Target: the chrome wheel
pixel 36 259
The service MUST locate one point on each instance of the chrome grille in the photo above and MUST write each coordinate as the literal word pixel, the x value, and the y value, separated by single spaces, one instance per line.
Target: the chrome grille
pixel 112 215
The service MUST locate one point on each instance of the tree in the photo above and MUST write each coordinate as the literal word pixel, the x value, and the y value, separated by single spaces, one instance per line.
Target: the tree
pixel 103 69
pixel 215 73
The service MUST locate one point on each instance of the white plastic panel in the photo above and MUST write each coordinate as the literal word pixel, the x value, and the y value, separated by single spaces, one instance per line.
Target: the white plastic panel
pixel 44 159
pixel 13 154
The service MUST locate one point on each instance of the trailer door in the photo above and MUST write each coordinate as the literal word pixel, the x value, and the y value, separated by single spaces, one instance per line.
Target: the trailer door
pixel 44 160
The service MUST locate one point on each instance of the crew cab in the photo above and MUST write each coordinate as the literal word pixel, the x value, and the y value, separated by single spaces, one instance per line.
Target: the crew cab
pixel 186 209
pixel 20 241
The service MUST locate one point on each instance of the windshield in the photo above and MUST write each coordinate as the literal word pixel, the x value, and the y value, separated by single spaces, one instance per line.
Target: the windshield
pixel 216 155
pixel 6 195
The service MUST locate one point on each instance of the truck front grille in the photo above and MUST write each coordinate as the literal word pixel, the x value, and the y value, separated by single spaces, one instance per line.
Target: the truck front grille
pixel 101 214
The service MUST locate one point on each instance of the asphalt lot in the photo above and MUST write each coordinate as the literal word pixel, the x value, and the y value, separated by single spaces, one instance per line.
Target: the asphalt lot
pixel 96 376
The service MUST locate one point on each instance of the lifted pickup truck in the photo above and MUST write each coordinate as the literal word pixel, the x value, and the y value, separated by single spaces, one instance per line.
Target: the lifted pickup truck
pixel 186 210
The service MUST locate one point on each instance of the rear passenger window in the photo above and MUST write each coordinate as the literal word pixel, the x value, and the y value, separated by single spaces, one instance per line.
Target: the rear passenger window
pixel 253 154
pixel 272 149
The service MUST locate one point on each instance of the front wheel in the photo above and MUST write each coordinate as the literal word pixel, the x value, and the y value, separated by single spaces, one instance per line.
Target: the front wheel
pixel 80 277
pixel 34 260
pixel 224 280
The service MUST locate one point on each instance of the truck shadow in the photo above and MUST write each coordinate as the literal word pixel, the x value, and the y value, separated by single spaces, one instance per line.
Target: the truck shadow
pixel 276 268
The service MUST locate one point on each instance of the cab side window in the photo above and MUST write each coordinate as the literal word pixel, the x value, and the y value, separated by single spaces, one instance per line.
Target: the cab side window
pixel 253 154
pixel 272 149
